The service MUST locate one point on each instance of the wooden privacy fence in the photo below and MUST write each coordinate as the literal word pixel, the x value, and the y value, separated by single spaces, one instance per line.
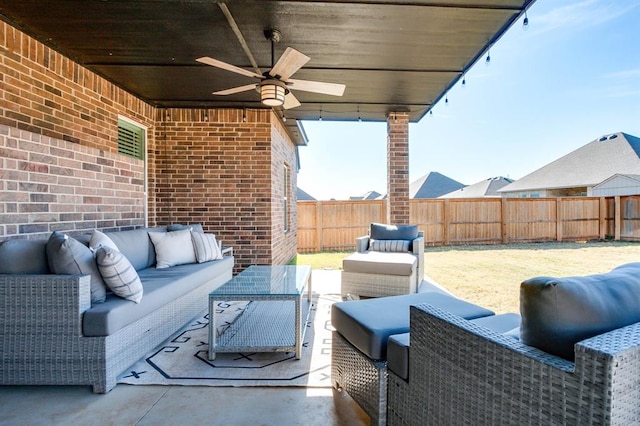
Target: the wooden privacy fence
pixel 334 225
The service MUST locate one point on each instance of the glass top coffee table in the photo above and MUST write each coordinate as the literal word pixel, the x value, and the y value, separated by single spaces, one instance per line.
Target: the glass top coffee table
pixel 273 321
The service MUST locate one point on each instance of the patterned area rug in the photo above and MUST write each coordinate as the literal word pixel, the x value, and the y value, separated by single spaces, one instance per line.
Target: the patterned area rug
pixel 183 359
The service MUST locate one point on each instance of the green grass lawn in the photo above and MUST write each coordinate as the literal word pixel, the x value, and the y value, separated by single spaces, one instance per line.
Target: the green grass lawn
pixel 490 275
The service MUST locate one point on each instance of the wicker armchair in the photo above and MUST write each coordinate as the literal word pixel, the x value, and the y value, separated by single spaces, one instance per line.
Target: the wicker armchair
pixel 377 283
pixel 461 373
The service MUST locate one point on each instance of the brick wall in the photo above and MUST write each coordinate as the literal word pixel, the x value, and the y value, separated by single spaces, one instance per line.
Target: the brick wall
pixel 60 170
pixel 59 167
pixel 285 243
pixel 220 168
pixel 49 184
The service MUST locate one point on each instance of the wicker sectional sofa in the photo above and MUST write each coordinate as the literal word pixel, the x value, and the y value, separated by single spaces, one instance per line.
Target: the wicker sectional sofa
pixel 571 357
pixel 52 334
pixel 574 361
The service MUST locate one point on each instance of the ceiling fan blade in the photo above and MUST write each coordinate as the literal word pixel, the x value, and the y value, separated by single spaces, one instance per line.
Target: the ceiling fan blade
pixel 290 62
pixel 290 101
pixel 334 89
pixel 225 66
pixel 238 89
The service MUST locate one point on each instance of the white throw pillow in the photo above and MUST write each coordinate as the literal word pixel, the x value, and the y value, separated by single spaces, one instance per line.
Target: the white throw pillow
pixel 99 239
pixel 118 273
pixel 206 247
pixel 173 248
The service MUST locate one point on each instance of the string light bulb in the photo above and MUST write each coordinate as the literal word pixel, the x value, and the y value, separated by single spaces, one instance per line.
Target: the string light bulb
pixel 446 99
pixel 464 80
pixel 525 22
pixel 488 60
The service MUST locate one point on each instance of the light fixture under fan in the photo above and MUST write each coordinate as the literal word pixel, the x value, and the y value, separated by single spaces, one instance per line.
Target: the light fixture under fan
pixel 275 85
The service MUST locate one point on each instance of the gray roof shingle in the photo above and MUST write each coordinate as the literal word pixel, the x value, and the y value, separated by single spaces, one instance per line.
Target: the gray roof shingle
pixel 586 166
pixel 433 185
pixel 485 188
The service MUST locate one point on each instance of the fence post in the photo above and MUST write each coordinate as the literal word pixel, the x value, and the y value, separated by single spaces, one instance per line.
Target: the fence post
pixel 503 220
pixel 602 218
pixel 319 226
pixel 618 218
pixel 445 221
pixel 559 219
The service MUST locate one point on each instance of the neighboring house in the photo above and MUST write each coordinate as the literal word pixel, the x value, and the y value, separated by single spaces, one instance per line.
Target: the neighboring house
pixel 618 184
pixel 371 195
pixel 577 173
pixel 303 196
pixel 485 188
pixel 433 185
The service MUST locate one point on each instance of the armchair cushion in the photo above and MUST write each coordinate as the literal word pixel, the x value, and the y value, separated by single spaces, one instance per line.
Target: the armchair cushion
pixel 559 312
pixel 389 245
pixel 373 262
pixel 381 231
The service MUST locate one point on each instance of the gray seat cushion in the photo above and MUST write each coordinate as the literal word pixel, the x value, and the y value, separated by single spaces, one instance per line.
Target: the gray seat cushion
pixel 161 286
pixel 373 262
pixel 23 257
pixel 398 354
pixel 502 323
pixel 398 345
pixel 136 246
pixel 367 324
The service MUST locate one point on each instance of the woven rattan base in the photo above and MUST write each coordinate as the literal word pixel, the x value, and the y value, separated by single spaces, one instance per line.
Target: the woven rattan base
pixel 398 391
pixel 365 380
pixel 377 285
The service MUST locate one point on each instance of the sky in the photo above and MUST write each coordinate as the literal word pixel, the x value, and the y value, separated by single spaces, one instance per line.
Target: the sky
pixel 571 77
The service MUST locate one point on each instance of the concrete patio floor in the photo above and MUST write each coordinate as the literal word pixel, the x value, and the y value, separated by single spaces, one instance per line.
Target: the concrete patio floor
pixel 187 405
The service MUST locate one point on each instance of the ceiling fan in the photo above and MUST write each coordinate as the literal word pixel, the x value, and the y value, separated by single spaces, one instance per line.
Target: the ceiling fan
pixel 275 85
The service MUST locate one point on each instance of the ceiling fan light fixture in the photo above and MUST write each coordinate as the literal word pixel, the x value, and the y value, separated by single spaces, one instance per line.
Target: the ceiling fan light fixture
pixel 272 92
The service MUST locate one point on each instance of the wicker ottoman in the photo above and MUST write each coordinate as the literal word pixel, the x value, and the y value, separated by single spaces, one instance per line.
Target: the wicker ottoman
pixel 359 346
pixel 376 274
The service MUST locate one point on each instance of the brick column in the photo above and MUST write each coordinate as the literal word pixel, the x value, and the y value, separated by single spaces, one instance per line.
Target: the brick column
pixel 398 168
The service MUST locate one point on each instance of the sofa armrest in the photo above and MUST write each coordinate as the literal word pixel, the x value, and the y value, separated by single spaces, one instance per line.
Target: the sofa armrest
pixel 43 304
pixel 362 244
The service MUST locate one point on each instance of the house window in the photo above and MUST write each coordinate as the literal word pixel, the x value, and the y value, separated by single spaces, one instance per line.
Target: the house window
pixel 286 197
pixel 130 139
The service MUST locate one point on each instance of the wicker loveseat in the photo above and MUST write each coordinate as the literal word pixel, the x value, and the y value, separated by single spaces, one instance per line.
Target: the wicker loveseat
pixel 461 372
pixel 52 334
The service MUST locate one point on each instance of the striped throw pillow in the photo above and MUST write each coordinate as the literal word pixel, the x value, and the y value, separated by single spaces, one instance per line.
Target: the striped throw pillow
pixel 118 273
pixel 389 245
pixel 206 247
